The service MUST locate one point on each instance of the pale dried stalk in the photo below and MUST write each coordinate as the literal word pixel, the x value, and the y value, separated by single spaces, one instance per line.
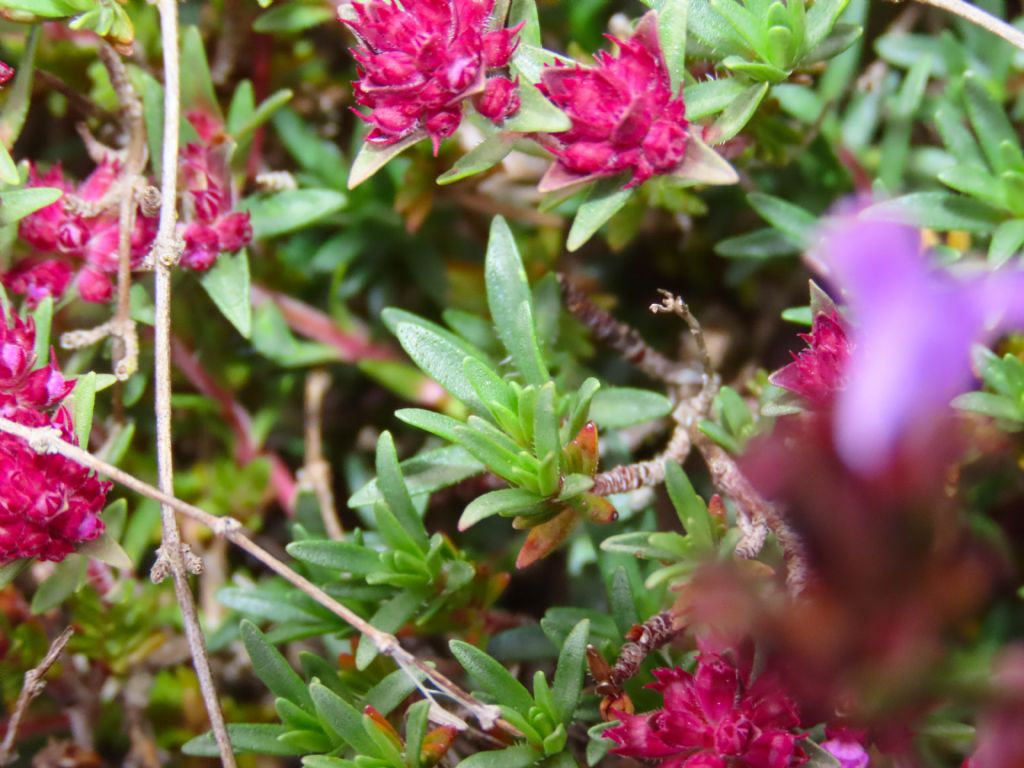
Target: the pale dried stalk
pixel 166 249
pixel 317 472
pixel 980 18
pixel 126 346
pixel 32 687
pixel 48 440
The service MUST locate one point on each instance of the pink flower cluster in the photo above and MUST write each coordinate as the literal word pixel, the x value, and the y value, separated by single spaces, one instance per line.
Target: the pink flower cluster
pixel 48 504
pixel 625 117
pixel 212 226
pixel 819 371
pixel 420 60
pixel 6 73
pixel 714 718
pixel 87 241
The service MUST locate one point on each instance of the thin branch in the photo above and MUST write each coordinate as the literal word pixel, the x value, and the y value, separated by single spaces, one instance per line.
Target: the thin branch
pixel 48 439
pixel 622 338
pixel 761 514
pixel 687 414
pixel 641 641
pixel 317 472
pixel 166 250
pixel 982 19
pixel 79 101
pixel 126 346
pixel 34 684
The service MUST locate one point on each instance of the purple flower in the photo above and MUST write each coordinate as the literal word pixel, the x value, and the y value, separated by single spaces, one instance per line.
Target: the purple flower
pixel 913 328
pixel 849 752
pixel 624 115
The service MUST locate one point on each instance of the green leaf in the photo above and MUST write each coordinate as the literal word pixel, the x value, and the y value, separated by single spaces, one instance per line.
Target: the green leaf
pixel 821 18
pixel 428 472
pixel 507 502
pixel 197 91
pixel 761 244
pixel 18 96
pixel 389 618
pixel 818 757
pixel 371 159
pixel 438 353
pixel 710 96
pixel 227 284
pixel 485 155
pixel 396 494
pixel 340 556
pixel 691 509
pixel 84 395
pixel 942 211
pixel 493 390
pixel 988 404
pixel 672 16
pixel 279 607
pixel 259 738
pixel 65 580
pixel 736 116
pixel 991 126
pixel 106 549
pixel 1006 241
pixel 618 407
pixel 52 9
pixel 272 668
pixel 525 11
pixel 244 129
pixel 623 601
pixel 430 421
pixel 511 304
pixel 283 212
pixel 8 170
pixel 42 316
pixel 11 571
pixel 545 435
pixel 702 165
pixel 518 756
pixel 16 204
pixel 536 114
pixel 569 673
pixel 744 23
pixel 792 220
pixel 606 198
pixel 291 17
pixel 341 719
pixel 492 677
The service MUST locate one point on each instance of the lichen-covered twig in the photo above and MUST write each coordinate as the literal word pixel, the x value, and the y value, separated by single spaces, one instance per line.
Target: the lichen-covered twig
pixel 641 641
pixel 45 439
pixel 760 514
pixel 32 687
pixel 687 413
pixel 623 339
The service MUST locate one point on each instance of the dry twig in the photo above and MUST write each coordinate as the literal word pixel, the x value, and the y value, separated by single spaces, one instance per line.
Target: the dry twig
pixel 317 472
pixel 32 687
pixel 979 17
pixel 49 440
pixel 166 249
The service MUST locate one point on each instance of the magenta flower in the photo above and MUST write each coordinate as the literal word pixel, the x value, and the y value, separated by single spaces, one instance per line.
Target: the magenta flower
pixel 88 241
pixel 419 60
pixel 818 372
pixel 624 115
pixel 48 504
pixel 714 718
pixel 6 73
pixel 212 226
pixel 913 329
